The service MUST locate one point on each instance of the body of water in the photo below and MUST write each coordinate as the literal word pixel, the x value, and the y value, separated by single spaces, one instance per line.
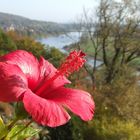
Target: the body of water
pixel 63 40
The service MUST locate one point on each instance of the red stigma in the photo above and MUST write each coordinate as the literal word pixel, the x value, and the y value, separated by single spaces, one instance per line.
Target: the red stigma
pixel 73 62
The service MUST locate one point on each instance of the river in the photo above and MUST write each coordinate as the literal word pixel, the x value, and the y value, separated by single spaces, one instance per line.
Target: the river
pixel 64 40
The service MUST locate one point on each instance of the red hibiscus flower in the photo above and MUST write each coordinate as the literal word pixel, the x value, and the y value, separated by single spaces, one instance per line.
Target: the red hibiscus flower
pixel 40 86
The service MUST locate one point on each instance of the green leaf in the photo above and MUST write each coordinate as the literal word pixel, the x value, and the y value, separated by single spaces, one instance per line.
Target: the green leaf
pixel 20 132
pixel 3 129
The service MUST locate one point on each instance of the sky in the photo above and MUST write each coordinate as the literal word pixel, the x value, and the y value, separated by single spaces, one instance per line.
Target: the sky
pixel 47 10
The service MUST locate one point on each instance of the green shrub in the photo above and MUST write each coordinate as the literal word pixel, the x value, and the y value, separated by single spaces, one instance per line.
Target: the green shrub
pixel 112 129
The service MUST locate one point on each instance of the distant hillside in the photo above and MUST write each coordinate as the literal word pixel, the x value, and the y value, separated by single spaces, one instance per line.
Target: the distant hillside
pixel 31 27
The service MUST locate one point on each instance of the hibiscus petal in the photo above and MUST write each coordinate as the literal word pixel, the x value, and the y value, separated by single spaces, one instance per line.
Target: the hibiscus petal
pixel 27 63
pixel 13 82
pixel 44 111
pixel 78 101
pixel 47 71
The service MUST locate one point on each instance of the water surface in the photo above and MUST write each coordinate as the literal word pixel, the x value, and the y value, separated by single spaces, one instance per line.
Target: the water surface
pixel 63 40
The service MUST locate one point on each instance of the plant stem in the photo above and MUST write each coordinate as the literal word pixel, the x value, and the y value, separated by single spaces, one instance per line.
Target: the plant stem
pixel 12 123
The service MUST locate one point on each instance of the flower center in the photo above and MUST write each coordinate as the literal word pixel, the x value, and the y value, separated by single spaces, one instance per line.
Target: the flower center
pixel 73 62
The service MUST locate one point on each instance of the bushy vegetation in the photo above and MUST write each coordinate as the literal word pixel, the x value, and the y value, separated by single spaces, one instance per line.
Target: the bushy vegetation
pixel 112 129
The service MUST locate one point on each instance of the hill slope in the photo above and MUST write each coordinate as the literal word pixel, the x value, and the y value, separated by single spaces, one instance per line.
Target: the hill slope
pixel 28 26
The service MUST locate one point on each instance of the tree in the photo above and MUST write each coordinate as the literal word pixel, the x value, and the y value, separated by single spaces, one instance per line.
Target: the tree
pixel 6 43
pixel 114 35
pixel 27 43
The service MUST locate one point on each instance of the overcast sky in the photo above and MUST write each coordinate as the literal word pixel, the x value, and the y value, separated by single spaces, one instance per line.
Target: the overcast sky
pixel 48 10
